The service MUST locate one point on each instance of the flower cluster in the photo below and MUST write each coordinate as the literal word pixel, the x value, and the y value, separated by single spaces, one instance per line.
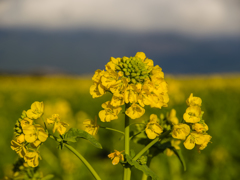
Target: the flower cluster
pixel 131 80
pixel 27 132
pixel 194 130
pixel 29 135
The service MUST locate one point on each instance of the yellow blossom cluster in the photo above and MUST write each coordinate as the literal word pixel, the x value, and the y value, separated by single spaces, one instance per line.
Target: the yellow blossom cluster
pixel 131 80
pixel 29 135
pixel 153 129
pixel 194 130
pixel 91 127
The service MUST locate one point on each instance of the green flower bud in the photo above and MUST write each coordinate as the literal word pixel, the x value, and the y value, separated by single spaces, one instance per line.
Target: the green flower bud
pixel 125 65
pixel 127 73
pixel 118 68
pixel 133 74
pixel 124 59
pixel 124 69
pixel 133 81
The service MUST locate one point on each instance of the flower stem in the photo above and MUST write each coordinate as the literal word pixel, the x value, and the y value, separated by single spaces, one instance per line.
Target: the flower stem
pixel 127 170
pixel 150 145
pixel 111 129
pixel 85 162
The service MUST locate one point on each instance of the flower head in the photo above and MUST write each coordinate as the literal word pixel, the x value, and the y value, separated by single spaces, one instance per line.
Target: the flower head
pixel 19 148
pixel 91 127
pixel 31 158
pixel 109 113
pixel 180 131
pixel 192 114
pixel 116 157
pixel 36 110
pixel 133 80
pixel 193 101
pixel 153 129
pixel 192 139
pixel 58 125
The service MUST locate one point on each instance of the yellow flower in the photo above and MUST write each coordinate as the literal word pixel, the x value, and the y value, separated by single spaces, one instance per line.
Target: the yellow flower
pixel 34 132
pixel 192 114
pixel 97 76
pixel 116 157
pixel 180 131
pixel 153 129
pixel 58 125
pixel 131 80
pixel 175 145
pixel 135 111
pixel 192 139
pixel 117 101
pixel 97 90
pixel 206 140
pixel 36 110
pixel 109 113
pixel 193 101
pixel 31 158
pixel 19 148
pixel 171 117
pixel 91 127
pixel 21 138
pixel 130 94
pixel 26 122
pixel 200 127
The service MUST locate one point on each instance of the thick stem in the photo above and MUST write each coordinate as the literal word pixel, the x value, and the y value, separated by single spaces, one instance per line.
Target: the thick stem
pixel 144 176
pixel 127 170
pixel 85 162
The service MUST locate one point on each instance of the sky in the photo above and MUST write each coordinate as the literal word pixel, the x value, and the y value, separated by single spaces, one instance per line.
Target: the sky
pixel 192 17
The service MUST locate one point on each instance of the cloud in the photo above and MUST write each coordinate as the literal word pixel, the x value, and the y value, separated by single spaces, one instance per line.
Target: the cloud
pixel 199 17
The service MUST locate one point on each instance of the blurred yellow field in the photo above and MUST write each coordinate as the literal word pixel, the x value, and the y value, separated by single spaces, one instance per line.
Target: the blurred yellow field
pixel 70 98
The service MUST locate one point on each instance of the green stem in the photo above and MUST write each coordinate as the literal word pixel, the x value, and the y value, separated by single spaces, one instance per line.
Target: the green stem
pixel 111 129
pixel 85 162
pixel 150 145
pixel 144 176
pixel 145 149
pixel 127 170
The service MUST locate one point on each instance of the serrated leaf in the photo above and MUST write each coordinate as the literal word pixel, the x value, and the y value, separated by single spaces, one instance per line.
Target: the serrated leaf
pixel 180 157
pixel 73 134
pixel 144 168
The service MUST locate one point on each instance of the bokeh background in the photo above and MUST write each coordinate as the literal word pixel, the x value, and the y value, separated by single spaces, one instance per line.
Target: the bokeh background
pixel 49 49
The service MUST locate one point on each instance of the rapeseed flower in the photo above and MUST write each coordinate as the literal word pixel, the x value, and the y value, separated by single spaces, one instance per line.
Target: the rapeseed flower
pixel 171 117
pixel 193 101
pixel 31 158
pixel 192 114
pixel 180 131
pixel 131 80
pixel 116 157
pixel 91 127
pixel 109 113
pixel 58 125
pixel 153 129
pixel 192 139
pixel 36 110
pixel 19 148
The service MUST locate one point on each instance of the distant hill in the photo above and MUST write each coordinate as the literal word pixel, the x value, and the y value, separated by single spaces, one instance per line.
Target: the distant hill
pixel 84 51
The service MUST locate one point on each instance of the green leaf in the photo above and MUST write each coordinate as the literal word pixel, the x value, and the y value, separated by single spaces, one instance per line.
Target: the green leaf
pixel 144 168
pixel 180 157
pixel 73 134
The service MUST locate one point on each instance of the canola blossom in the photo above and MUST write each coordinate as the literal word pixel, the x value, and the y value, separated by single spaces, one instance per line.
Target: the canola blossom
pixel 116 157
pixel 91 127
pixel 130 80
pixel 153 129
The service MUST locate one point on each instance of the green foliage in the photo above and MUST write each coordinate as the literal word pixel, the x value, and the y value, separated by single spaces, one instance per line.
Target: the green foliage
pixel 73 134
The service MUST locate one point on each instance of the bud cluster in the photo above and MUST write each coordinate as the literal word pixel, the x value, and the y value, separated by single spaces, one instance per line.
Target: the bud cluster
pixel 134 69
